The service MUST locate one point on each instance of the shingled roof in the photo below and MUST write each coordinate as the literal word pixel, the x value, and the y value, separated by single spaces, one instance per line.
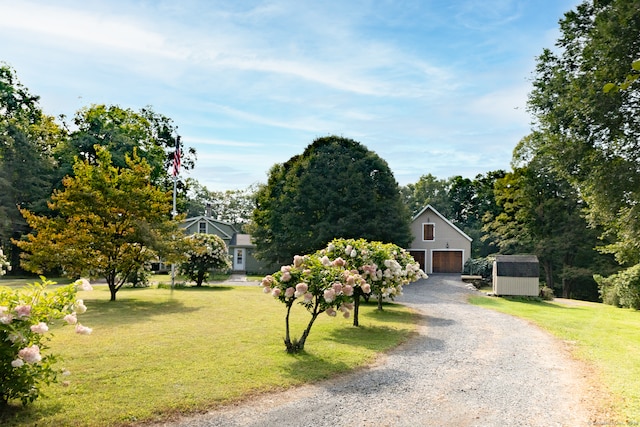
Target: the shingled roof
pixel 517 266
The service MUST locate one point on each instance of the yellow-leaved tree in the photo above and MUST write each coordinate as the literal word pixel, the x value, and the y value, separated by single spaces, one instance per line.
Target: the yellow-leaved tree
pixel 106 222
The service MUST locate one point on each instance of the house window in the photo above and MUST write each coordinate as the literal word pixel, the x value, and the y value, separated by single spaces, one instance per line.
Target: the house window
pixel 239 257
pixel 427 232
pixel 202 227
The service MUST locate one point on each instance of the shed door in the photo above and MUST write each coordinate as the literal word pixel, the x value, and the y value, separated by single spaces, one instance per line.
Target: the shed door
pixel 447 261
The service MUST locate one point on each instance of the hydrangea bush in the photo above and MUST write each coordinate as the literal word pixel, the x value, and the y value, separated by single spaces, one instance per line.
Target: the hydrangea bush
pixel 25 317
pixel 319 283
pixel 384 266
pixel 204 252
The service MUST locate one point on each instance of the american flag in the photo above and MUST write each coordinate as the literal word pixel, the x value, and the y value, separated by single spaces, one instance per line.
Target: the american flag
pixel 176 158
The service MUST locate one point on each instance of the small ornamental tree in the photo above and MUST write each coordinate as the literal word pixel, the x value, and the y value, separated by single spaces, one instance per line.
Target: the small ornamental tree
pixel 205 252
pixel 384 266
pixel 319 284
pixel 25 317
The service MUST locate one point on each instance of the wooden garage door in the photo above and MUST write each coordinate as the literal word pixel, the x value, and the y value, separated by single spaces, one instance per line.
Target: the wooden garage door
pixel 419 257
pixel 447 261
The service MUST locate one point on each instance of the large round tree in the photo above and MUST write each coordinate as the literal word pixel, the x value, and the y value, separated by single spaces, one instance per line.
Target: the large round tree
pixel 337 188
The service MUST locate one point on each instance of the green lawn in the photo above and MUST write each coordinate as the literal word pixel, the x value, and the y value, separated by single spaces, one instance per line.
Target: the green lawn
pixel 605 336
pixel 158 352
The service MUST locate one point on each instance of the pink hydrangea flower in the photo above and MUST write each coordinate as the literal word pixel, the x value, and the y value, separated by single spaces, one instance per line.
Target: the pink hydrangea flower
pixel 346 314
pixel 276 292
pixel 266 290
pixel 288 293
pixel 301 289
pixel 339 262
pixel 337 288
pixel 285 268
pixel 84 285
pixel 30 354
pixel 325 261
pixel 286 276
pixel 353 254
pixel 17 363
pixel 348 290
pixel 267 281
pixel 71 319
pixel 366 288
pixel 297 260
pixel 40 328
pixel 308 297
pixel 331 312
pixel 80 307
pixel 83 330
pixel 23 310
pixel 5 319
pixel 348 249
pixel 329 295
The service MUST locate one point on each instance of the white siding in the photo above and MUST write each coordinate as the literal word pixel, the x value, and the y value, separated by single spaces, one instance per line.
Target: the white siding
pixel 521 286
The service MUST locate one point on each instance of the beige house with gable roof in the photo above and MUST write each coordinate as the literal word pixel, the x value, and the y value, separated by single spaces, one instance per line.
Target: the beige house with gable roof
pixel 438 245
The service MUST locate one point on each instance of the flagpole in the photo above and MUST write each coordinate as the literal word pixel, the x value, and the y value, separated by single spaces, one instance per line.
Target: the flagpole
pixel 174 212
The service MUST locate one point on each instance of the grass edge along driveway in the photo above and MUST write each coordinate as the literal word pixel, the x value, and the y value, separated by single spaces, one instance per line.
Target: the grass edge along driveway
pixel 604 336
pixel 156 353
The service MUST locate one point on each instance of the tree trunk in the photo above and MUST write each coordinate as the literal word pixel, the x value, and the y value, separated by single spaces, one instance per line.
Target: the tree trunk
pixel 548 273
pixel 287 336
pixel 380 302
pixel 113 289
pixel 356 309
pixel 200 278
pixel 305 334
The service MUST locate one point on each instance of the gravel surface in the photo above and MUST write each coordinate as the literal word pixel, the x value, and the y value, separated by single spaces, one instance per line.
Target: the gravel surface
pixel 468 367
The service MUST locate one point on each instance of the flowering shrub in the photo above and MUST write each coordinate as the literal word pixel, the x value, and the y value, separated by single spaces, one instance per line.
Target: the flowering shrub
pixel 25 317
pixel 319 283
pixel 384 266
pixel 205 252
pixel 4 265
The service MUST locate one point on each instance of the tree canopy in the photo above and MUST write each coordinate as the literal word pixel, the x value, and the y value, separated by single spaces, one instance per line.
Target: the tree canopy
pixel 336 188
pixel 592 136
pixel 27 137
pixel 107 222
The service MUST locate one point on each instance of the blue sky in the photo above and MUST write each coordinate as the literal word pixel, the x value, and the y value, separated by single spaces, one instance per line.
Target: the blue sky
pixel 432 86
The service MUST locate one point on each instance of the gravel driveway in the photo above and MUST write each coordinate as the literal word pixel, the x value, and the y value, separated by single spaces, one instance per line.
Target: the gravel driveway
pixel 468 367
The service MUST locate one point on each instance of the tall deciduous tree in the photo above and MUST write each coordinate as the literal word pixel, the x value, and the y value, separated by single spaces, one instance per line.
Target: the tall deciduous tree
pixel 591 137
pixel 108 221
pixel 429 190
pixel 27 137
pixel 336 188
pixel 120 131
pixel 542 214
pixel 232 206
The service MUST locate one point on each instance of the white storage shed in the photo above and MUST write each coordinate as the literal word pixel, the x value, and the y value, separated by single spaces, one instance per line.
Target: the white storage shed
pixel 516 275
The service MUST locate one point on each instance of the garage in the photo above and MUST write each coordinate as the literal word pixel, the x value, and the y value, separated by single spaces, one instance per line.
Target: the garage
pixel 447 261
pixel 420 258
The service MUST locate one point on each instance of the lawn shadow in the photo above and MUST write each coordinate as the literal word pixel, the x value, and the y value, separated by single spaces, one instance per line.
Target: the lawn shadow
pixel 315 368
pixel 390 313
pixel 17 415
pixel 194 288
pixel 540 303
pixel 133 310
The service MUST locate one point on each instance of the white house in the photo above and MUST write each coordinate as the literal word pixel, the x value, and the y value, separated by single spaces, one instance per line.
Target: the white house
pixel 438 245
